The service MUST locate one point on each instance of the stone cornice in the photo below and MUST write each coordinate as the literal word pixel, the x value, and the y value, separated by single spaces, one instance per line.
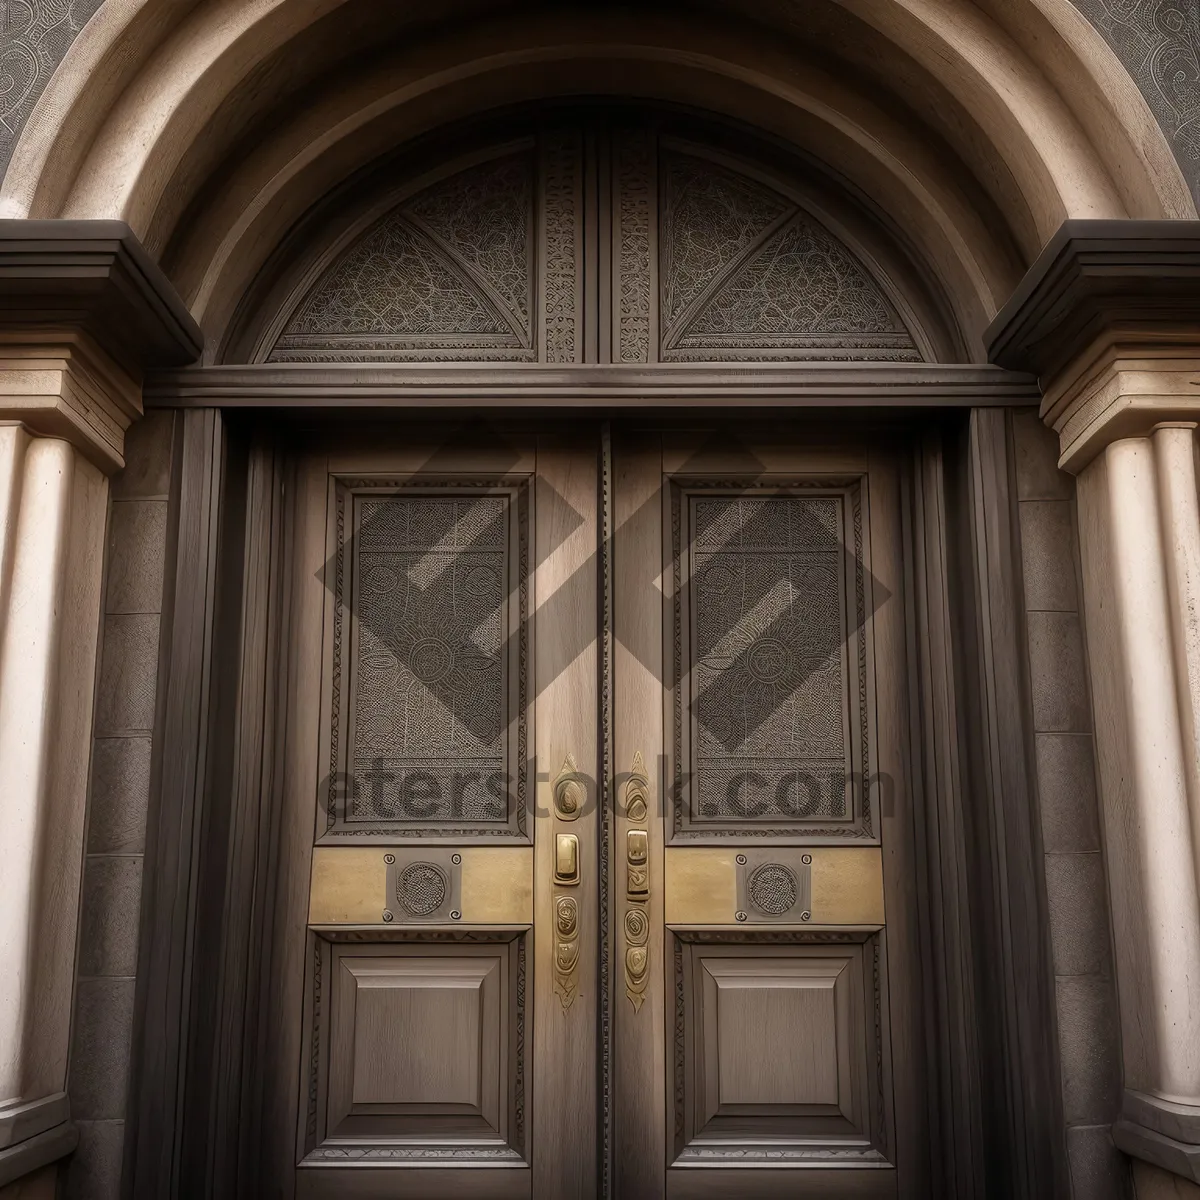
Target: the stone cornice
pixel 64 385
pixel 1095 278
pixel 94 278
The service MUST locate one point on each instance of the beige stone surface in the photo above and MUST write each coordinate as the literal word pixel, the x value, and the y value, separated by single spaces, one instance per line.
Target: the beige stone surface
pixel 1151 1183
pixel 64 411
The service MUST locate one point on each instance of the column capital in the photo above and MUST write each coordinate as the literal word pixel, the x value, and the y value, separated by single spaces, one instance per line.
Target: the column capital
pixel 1108 318
pixel 84 312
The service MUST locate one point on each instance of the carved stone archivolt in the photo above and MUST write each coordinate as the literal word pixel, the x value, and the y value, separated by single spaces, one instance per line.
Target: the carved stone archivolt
pixel 710 260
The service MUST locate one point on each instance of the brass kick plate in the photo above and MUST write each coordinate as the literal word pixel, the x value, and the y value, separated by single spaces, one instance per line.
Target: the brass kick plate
pixel 349 885
pixel 845 884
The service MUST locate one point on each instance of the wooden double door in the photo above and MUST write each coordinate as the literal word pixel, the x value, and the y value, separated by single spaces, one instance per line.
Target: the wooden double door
pixel 595 854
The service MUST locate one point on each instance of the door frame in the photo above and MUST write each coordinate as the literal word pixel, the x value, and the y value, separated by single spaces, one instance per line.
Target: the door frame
pixel 990 1034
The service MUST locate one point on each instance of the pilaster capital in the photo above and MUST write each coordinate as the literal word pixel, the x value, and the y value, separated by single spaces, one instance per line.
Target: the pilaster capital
pixel 84 312
pixel 1108 318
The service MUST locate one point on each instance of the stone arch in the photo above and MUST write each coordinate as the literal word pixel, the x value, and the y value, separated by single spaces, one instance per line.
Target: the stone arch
pixel 978 128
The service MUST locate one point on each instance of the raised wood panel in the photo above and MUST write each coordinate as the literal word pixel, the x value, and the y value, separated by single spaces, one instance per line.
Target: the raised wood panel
pixel 415 1035
pixel 779 1034
pixel 775 1045
pixel 418 1054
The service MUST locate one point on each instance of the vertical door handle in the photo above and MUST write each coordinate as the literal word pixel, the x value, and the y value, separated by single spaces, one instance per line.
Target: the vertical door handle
pixel 566 859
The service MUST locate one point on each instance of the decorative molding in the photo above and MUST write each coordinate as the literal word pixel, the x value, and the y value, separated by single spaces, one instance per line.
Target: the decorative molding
pixel 746 387
pixel 1180 1158
pixel 414 1155
pixel 1160 1131
pixel 633 203
pixel 1107 316
pixel 21 1121
pixel 703 692
pixel 63 385
pixel 94 277
pixel 511 664
pixel 561 219
pixel 1094 276
pixel 1180 1122
pixel 608 823
pixel 1158 43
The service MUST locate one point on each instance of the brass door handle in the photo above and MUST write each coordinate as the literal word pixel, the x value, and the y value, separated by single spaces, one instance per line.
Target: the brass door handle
pixel 566 919
pixel 566 859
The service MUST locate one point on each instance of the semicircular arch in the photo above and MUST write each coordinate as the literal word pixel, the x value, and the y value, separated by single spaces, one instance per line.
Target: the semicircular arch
pixel 213 129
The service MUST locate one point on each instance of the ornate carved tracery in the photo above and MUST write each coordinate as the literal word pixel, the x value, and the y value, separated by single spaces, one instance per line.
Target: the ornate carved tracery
pixel 709 261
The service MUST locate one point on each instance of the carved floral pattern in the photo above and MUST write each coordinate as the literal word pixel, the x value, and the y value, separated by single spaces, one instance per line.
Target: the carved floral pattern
pixel 483 216
pixel 710 217
pixel 741 272
pixel 800 282
pixel 393 282
pixel 448 275
pixel 635 167
pixel 562 214
pixel 1158 41
pixel 35 36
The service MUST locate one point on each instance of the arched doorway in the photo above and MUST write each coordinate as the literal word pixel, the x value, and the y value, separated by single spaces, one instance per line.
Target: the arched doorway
pixel 595 822
pixel 758 310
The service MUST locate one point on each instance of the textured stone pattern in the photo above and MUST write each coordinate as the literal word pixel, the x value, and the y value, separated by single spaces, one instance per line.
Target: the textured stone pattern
pixel 120 791
pixel 747 275
pixel 742 274
pixel 1074 866
pixel 34 37
pixel 447 275
pixel 1159 43
pixel 1157 40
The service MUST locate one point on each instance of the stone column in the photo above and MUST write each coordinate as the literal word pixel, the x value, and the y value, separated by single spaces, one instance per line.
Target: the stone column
pixel 1109 317
pixel 80 315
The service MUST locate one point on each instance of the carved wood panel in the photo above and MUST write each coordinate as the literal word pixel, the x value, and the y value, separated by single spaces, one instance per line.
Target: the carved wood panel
pixel 779 1053
pixel 712 259
pixel 427 660
pixel 769 659
pixel 418 1047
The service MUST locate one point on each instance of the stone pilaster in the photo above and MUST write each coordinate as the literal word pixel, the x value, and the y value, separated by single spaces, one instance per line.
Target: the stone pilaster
pixel 82 311
pixel 1109 317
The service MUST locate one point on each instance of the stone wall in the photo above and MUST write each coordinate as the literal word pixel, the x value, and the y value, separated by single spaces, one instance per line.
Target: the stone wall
pixel 117 809
pixel 1089 1047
